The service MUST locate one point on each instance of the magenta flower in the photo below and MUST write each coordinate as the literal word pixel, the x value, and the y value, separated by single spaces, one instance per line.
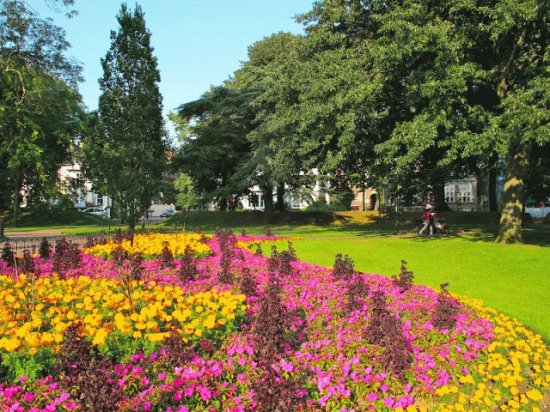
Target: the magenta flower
pixel 204 392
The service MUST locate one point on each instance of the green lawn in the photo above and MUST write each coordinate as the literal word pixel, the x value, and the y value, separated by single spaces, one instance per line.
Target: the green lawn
pixel 54 217
pixel 514 279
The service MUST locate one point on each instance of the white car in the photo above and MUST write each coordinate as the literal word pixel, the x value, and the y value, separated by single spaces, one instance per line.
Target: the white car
pixel 98 211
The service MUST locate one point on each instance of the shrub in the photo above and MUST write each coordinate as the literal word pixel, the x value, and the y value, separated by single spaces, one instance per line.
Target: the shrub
pixel 272 392
pixel 405 279
pixel 269 325
pixel 27 263
pixel 67 256
pixel 248 285
pixel 281 262
pixel 357 290
pixel 166 257
pixel 7 255
pixel 44 249
pixel 227 243
pixel 188 269
pixel 84 372
pixel 446 310
pixel 343 268
pixel 119 255
pixel 385 330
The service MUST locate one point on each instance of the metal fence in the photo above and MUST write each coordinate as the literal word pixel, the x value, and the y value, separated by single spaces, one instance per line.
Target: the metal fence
pixel 33 244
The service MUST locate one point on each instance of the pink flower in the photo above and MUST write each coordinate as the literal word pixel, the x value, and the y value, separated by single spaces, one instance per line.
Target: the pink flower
pixel 323 382
pixel 29 397
pixel 389 402
pixel 287 366
pixel 372 397
pixel 205 393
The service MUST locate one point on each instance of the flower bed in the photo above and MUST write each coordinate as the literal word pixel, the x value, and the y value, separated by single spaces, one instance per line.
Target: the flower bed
pixel 153 244
pixel 237 331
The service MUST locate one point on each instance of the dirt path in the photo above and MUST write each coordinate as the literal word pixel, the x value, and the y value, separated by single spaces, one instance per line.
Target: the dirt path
pixel 29 234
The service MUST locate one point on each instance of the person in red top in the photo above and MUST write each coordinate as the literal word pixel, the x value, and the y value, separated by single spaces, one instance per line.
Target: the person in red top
pixel 428 220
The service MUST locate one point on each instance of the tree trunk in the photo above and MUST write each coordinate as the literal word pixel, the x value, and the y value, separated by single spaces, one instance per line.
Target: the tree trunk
pixel 439 196
pixel 16 201
pixel 267 192
pixel 510 219
pixel 222 204
pixel 480 190
pixel 131 218
pixel 280 205
pixel 493 206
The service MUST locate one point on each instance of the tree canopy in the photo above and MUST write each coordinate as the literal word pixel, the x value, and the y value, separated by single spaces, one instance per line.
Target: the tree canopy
pixel 124 151
pixel 39 105
pixel 401 94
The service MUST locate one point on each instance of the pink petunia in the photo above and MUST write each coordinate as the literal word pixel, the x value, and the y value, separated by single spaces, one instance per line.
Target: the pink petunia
pixel 204 392
pixel 389 401
pixel 29 397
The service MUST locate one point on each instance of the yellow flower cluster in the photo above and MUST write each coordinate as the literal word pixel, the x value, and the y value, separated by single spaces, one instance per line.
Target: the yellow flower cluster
pixel 33 316
pixel 152 244
pixel 251 245
pixel 513 377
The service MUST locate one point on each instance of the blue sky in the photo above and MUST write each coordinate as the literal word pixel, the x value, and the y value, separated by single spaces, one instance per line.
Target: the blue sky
pixel 198 43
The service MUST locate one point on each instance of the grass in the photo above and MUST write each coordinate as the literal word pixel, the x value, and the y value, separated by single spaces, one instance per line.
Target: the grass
pixel 510 278
pixel 49 218
pixel 66 221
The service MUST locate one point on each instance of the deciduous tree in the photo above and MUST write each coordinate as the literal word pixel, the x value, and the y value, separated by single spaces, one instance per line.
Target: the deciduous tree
pixel 39 104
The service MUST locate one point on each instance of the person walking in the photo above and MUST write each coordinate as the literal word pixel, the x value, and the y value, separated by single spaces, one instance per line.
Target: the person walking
pixel 428 220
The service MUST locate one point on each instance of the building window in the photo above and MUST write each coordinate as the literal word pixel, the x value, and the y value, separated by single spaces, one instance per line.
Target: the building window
pixel 99 200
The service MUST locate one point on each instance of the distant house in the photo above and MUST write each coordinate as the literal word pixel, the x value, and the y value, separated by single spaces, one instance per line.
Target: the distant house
pixel 79 189
pixel 365 200
pixel 293 199
pixel 461 194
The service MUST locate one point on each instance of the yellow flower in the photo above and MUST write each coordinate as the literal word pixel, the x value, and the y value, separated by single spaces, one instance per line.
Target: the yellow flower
pixel 209 322
pixel 100 336
pixel 534 395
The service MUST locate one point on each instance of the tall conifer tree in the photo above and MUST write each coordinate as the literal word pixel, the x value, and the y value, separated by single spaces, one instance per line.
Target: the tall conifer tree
pixel 126 157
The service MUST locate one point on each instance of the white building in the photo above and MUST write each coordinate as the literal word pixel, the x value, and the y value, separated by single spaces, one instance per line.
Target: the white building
pixel 255 200
pixel 461 194
pixel 79 189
